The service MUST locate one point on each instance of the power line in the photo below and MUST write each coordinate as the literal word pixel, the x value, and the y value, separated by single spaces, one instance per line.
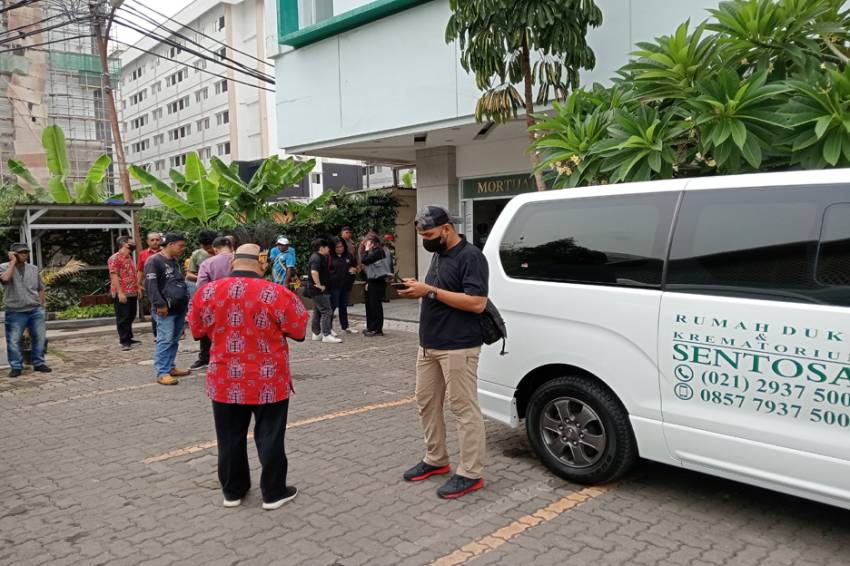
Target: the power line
pixel 177 34
pixel 23 35
pixel 160 56
pixel 40 22
pixel 173 43
pixel 160 14
pixel 18 5
pixel 44 43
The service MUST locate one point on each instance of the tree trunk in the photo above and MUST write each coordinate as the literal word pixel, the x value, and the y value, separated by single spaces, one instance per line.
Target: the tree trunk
pixel 529 110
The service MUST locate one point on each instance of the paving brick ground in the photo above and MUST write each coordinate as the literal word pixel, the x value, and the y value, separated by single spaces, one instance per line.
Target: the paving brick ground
pixel 76 489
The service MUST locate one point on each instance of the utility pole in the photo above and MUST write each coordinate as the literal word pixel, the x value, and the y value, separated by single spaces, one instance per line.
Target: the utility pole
pixel 101 25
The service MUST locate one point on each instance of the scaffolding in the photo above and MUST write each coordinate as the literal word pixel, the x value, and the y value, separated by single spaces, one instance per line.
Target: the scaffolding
pixel 56 83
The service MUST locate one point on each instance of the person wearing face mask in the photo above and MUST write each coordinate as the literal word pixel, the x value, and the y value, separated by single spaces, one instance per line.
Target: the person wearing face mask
pixel 454 294
pixel 124 288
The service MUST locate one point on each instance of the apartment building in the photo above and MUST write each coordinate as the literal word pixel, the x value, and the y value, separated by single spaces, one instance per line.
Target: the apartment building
pixel 174 102
pixel 423 116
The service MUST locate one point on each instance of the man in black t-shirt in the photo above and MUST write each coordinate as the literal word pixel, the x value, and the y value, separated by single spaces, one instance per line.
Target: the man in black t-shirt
pixel 317 286
pixel 454 294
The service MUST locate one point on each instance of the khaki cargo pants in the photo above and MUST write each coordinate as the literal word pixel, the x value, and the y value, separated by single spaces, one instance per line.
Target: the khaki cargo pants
pixel 453 374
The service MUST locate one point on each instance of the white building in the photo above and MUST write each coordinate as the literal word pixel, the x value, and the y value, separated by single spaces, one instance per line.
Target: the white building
pixel 422 114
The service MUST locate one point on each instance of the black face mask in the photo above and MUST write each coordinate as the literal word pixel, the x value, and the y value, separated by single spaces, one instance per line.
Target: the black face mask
pixel 132 247
pixel 434 245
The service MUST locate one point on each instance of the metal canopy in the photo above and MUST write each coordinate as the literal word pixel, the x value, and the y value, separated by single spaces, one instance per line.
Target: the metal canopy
pixel 36 219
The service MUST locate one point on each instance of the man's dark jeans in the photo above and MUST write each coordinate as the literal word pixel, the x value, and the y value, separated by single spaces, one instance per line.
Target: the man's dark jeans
pixel 322 315
pixel 339 300
pixel 231 430
pixel 374 305
pixel 16 322
pixel 125 314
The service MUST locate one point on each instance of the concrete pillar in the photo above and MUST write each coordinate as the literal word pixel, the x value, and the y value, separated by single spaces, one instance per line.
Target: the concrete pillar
pixel 436 183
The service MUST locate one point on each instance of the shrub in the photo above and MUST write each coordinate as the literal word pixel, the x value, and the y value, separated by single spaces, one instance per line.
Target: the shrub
pixel 95 311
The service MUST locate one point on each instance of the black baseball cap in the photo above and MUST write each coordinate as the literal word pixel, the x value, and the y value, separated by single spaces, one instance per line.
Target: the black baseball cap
pixel 20 247
pixel 432 216
pixel 172 237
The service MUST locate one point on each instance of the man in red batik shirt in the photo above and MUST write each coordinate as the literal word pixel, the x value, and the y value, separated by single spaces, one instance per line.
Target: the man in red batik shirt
pixel 248 320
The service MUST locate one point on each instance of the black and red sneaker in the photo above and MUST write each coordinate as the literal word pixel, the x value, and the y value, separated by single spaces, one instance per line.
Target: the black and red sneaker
pixel 459 486
pixel 423 471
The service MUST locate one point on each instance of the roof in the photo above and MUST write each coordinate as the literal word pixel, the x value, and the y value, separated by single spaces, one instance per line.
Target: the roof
pixel 74 213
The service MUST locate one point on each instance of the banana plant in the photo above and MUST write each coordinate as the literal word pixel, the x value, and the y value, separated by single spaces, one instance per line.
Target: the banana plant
pixel 92 189
pixel 194 196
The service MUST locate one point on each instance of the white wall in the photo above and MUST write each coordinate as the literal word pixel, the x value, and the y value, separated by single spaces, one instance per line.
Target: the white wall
pixel 338 93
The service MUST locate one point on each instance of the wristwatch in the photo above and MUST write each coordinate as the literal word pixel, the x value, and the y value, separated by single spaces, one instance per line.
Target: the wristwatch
pixel 432 294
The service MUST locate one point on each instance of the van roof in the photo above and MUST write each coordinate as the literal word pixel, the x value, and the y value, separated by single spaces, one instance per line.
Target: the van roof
pixel 788 178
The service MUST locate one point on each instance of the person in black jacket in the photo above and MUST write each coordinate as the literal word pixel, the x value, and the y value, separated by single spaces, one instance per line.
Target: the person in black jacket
pixel 166 289
pixel 343 270
pixel 376 287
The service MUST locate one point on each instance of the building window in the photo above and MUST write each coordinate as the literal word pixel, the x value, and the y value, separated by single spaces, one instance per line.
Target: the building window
pixel 141 146
pixel 222 53
pixel 200 65
pixel 159 139
pixel 157 113
pixel 175 51
pixel 156 87
pixel 604 241
pixel 202 124
pixel 202 94
pixel 314 11
pixel 138 97
pixel 137 73
pixel 137 123
pixel 177 160
pixel 159 165
pixel 177 105
pixel 179 133
pixel 177 77
pixel 223 148
pixel 205 152
pixel 316 178
pixel 220 87
pixel 222 118
pixel 219 23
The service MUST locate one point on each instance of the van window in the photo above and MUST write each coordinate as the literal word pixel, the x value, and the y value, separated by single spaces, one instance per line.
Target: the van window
pixel 618 240
pixel 833 262
pixel 756 243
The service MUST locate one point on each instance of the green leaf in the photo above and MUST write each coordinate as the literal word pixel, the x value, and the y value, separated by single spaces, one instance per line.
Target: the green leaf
pixel 53 140
pixel 752 152
pixel 59 190
pixel 194 168
pixel 832 148
pixel 164 193
pixel 739 133
pixel 203 197
pixel 822 125
pixel 21 170
pixel 655 161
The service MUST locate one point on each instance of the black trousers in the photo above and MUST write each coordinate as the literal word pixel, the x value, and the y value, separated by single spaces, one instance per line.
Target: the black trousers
pixel 125 314
pixel 375 305
pixel 231 431
pixel 204 353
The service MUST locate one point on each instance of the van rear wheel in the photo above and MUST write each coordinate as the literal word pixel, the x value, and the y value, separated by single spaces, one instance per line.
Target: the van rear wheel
pixel 580 430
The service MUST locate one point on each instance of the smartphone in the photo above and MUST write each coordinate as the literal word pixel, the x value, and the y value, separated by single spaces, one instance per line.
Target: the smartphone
pixel 399 285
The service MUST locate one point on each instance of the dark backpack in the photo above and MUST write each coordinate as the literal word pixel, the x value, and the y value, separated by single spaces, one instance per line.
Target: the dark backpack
pixel 493 326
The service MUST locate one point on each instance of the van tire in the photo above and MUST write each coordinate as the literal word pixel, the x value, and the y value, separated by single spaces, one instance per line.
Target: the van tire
pixel 617 455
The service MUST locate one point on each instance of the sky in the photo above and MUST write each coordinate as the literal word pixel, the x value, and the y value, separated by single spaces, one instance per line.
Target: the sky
pixel 167 7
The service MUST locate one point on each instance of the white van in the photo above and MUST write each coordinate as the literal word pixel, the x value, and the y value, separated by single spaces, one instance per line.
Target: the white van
pixel 703 323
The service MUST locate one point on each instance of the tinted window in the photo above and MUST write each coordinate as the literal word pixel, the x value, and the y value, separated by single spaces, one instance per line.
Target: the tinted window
pixel 618 240
pixel 759 243
pixel 833 262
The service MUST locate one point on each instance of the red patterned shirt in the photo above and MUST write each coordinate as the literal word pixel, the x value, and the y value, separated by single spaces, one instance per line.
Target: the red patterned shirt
pixel 125 268
pixel 248 320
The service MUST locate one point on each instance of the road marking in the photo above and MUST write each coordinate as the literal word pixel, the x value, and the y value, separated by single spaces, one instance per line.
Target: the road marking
pixel 312 420
pixel 494 540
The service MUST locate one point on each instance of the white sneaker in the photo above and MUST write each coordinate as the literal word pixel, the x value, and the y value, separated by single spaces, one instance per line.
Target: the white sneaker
pixel 290 494
pixel 331 339
pixel 317 337
pixel 334 334
pixel 232 502
pixel 351 331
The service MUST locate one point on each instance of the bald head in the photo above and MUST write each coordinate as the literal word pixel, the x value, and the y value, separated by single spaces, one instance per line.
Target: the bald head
pixel 247 258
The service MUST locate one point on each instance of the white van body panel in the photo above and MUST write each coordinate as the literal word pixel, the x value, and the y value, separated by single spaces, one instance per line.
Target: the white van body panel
pixel 779 424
